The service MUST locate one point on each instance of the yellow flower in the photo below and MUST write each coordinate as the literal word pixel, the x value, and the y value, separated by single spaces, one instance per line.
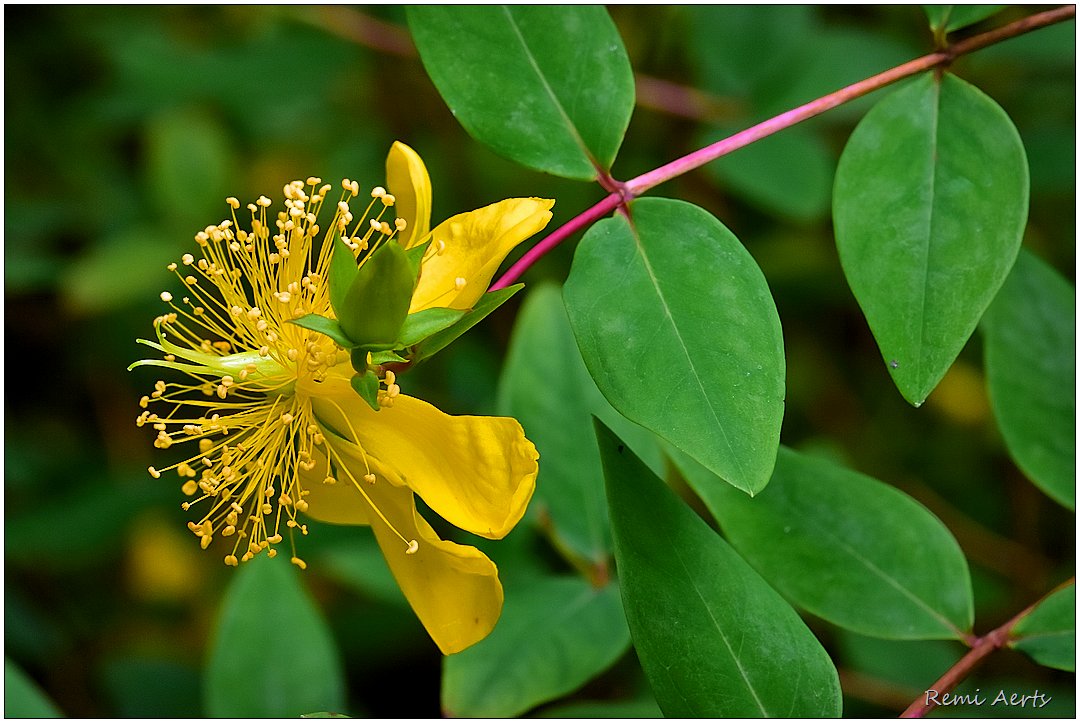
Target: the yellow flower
pixel 279 431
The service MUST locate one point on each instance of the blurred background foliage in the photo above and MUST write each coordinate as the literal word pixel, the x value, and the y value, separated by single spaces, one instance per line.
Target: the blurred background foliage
pixel 127 127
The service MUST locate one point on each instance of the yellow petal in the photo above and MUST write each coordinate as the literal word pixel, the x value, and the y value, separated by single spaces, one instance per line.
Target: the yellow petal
pixel 454 589
pixel 407 178
pixel 478 473
pixel 338 503
pixel 476 243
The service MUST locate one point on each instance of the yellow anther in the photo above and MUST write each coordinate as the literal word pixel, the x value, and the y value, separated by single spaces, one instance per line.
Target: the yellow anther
pixel 388 199
pixel 205 542
pixel 400 224
pixel 205 445
pixel 188 259
pixel 378 192
pixel 284 297
pixel 254 313
pixel 153 472
pixel 189 488
pixel 229 530
pixel 293 354
pixel 207 528
pixel 302 505
pixel 234 203
pixel 369 478
pixel 412 548
pixel 313 181
pixel 374 224
pixel 266 508
pixel 263 201
pixel 274 540
pixel 171 267
pixel 329 481
pixel 231 560
pixel 286 418
pixel 166 296
pixel 390 378
pixel 459 283
pixel 299 563
pixel 143 401
pixel 253 548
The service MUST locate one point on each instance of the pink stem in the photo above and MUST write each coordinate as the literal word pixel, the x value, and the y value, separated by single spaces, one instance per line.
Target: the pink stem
pixel 625 192
pixel 555 238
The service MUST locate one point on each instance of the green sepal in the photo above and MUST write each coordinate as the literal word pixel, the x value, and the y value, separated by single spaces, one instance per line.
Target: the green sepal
pixel 367 386
pixel 487 303
pixel 378 299
pixel 388 357
pixel 423 324
pixel 321 324
pixel 415 255
pixel 342 273
pixel 359 360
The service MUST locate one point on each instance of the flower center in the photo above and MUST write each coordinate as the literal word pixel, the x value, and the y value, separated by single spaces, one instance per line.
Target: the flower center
pixel 245 364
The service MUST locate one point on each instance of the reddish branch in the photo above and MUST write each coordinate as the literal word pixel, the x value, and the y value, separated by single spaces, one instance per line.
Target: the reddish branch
pixel 980 648
pixel 637 186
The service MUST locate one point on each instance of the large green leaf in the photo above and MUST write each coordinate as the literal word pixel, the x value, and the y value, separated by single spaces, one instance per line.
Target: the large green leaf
pixel 546 387
pixel 271 655
pixel 929 205
pixel 713 638
pixel 23 698
pixel 1048 633
pixel 678 328
pixel 555 634
pixel 1030 347
pixel 547 86
pixel 847 548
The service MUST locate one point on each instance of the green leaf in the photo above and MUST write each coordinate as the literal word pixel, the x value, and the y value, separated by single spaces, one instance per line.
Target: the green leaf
pixel 547 86
pixel 555 634
pixel 272 655
pixel 1030 347
pixel 713 638
pixel 929 206
pixel 378 298
pixel 343 271
pixel 23 698
pixel 954 17
pixel 366 384
pixel 422 324
pixel 488 303
pixel 546 387
pixel 1048 633
pixel 678 329
pixel 329 327
pixel 847 548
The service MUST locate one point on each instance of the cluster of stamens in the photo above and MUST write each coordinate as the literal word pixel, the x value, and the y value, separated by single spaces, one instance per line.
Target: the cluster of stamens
pixel 229 334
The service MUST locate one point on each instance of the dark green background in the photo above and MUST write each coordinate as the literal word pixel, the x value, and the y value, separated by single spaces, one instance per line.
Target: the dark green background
pixel 127 127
